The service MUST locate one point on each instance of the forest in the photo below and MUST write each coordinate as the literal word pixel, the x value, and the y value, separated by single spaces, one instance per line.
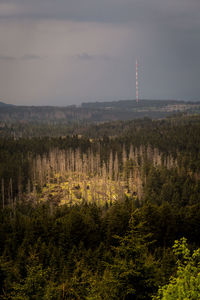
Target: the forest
pixel 94 112
pixel 100 210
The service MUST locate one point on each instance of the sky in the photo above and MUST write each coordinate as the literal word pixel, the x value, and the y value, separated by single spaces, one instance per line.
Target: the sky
pixel 67 52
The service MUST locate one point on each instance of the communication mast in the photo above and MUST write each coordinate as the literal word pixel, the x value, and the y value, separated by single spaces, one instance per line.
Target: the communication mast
pixel 136 83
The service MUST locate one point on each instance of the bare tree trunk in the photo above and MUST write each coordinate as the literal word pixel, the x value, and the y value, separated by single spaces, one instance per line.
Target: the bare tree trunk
pixel 116 167
pixel 124 160
pixel 28 188
pixel 85 191
pixel 110 166
pixel 10 193
pixel 20 188
pixel 131 153
pixel 3 193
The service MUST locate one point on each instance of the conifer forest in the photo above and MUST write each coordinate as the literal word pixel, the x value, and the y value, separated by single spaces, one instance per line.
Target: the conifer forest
pixel 97 210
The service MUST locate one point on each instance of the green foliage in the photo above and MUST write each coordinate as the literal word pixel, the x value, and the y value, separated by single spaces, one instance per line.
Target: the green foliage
pixel 186 283
pixel 132 272
pixel 87 252
pixel 33 285
pixel 120 250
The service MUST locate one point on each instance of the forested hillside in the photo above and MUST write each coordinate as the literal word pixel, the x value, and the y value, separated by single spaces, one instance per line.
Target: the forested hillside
pixel 94 112
pixel 93 211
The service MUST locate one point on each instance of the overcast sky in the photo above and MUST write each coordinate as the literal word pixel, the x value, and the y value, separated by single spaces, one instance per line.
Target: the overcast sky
pixel 62 52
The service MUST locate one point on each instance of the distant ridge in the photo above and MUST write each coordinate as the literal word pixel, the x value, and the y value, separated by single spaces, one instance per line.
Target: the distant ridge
pixel 97 111
pixel 5 104
pixel 132 103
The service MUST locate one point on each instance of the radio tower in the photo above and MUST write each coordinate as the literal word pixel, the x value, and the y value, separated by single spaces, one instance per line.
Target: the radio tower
pixel 136 83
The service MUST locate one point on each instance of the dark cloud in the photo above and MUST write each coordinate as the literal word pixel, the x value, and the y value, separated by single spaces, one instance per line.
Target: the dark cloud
pixel 87 57
pixel 31 57
pixel 7 57
pixel 24 57
pixel 107 35
pixel 146 11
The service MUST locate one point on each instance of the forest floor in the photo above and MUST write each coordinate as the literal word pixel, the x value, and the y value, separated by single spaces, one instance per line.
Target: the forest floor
pixel 76 188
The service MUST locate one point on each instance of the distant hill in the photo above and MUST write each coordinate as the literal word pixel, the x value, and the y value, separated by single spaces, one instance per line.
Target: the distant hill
pixel 5 104
pixel 132 103
pixel 97 111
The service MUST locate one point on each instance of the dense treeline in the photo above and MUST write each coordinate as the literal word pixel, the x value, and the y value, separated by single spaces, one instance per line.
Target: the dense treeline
pixel 87 252
pixel 139 147
pixel 95 216
pixel 92 129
